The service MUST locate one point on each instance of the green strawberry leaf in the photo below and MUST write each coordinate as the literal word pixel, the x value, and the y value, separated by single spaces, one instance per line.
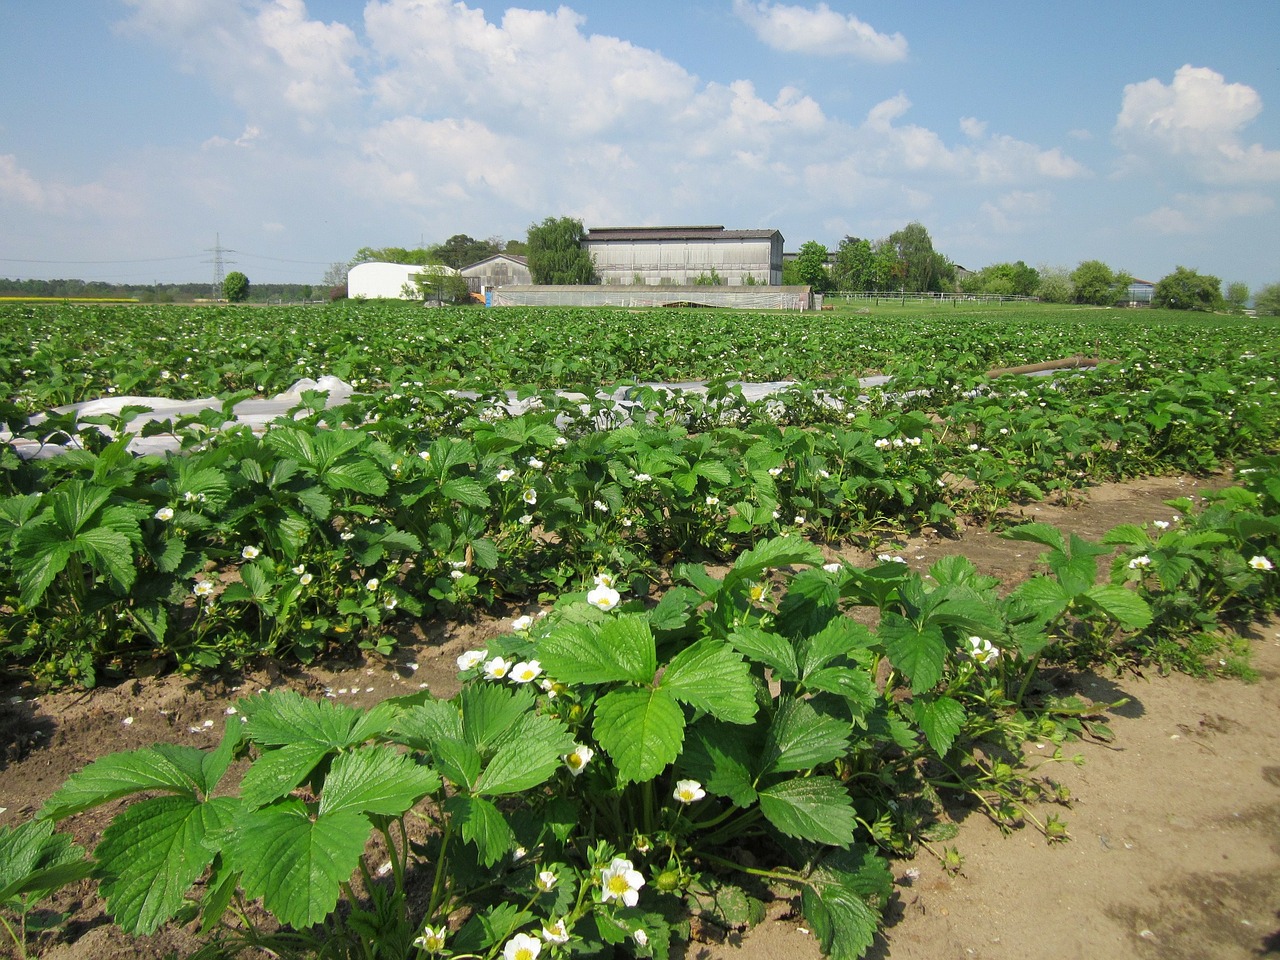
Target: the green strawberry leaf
pixel 817 809
pixel 277 772
pixel 711 676
pixel 376 780
pixel 153 852
pixel 778 552
pixel 800 738
pixel 1131 610
pixel 34 861
pixel 642 730
pixel 164 767
pixel 622 648
pixel 489 710
pixel 720 758
pixel 528 755
pixel 835 901
pixel 941 719
pixel 297 864
pixel 774 651
pixel 482 824
pixel 920 653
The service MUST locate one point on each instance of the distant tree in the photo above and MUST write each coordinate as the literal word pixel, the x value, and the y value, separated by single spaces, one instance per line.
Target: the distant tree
pixel 854 266
pixel 516 248
pixel 1266 302
pixel 1237 296
pixel 440 285
pixel 306 292
pixel 923 268
pixel 809 268
pixel 235 287
pixel 419 256
pixel 556 254
pixel 1055 285
pixel 335 276
pixel 1003 279
pixel 888 270
pixel 1187 290
pixel 1096 283
pixel 461 251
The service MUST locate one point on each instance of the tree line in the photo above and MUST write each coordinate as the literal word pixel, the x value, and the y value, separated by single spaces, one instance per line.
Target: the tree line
pixel 907 261
pixel 162 292
pixel 903 261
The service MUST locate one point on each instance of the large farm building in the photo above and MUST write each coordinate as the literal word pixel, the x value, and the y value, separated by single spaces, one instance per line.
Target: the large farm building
pixel 682 255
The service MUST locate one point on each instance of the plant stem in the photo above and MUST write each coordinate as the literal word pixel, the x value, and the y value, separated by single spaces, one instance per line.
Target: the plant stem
pixel 17 941
pixel 437 884
pixel 734 826
pixel 713 821
pixel 396 868
pixel 1026 680
pixel 785 877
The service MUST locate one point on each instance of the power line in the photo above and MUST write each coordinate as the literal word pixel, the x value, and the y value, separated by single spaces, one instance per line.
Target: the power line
pixel 78 262
pixel 219 272
pixel 256 256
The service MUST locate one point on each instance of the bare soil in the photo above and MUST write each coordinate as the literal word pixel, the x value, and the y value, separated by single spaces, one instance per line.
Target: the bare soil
pixel 1175 825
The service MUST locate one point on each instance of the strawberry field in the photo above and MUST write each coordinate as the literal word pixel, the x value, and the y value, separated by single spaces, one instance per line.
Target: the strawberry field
pixel 687 673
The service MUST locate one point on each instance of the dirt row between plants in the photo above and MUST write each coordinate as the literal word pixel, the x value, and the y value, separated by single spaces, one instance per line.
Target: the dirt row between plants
pixel 1175 826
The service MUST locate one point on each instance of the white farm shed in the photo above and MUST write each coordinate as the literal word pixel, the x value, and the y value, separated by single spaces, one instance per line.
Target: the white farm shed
pixel 680 255
pixel 387 280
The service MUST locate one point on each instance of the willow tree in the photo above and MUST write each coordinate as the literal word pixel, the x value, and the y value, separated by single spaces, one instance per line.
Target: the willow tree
pixel 556 254
pixel 922 267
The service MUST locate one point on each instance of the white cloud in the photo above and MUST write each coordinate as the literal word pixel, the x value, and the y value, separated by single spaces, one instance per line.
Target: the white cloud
pixel 19 188
pixel 246 139
pixel 1014 211
pixel 533 71
pixel 1195 213
pixel 819 32
pixel 437 119
pixel 268 53
pixel 425 163
pixel 985 159
pixel 1194 123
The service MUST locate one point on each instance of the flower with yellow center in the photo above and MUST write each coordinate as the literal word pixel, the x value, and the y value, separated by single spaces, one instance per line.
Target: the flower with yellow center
pixel 556 933
pixel 526 671
pixel 432 939
pixel 522 947
pixel 578 759
pixel 497 668
pixel 689 791
pixel 606 598
pixel 621 881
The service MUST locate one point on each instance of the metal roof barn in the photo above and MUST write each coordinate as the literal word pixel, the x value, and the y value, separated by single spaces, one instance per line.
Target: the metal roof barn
pixel 497 271
pixel 653 256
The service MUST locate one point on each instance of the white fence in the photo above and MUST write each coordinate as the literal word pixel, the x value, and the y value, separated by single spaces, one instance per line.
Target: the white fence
pixel 903 296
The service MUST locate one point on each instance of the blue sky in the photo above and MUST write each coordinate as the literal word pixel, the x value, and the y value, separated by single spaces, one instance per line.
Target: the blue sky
pixel 132 132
